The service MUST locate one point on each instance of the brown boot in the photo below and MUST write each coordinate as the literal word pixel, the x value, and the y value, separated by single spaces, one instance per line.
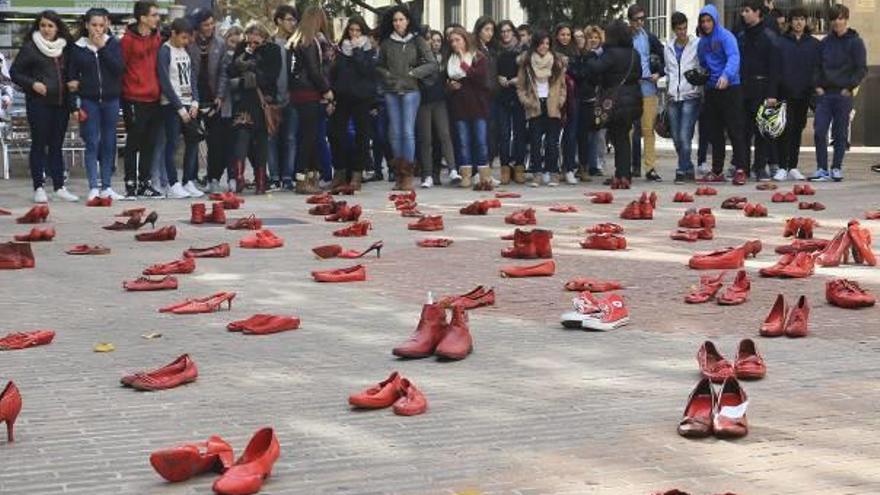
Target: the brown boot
pixel 260 180
pixel 396 166
pixel 485 180
pixel 505 175
pixel 308 185
pixel 519 174
pixel 466 172
pixel 339 178
pixel 357 178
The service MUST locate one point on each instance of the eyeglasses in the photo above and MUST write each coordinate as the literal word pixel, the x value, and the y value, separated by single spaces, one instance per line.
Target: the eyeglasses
pixel 638 19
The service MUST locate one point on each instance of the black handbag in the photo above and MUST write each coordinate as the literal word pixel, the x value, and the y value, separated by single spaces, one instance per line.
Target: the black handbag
pixel 606 101
pixel 661 124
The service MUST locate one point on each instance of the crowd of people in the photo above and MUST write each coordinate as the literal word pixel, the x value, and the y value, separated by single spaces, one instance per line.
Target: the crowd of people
pixel 308 112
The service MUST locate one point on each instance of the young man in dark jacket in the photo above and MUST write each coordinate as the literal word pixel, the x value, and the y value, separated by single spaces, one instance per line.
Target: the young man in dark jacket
pixel 759 72
pixel 512 118
pixel 140 94
pixel 842 66
pixel 651 53
pixel 282 145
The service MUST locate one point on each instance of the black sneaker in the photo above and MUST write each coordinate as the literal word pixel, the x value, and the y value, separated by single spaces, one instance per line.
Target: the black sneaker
pixel 690 176
pixel 653 176
pixel 274 185
pixel 288 185
pixel 875 168
pixel 130 191
pixel 146 190
pixel 761 175
pixel 679 178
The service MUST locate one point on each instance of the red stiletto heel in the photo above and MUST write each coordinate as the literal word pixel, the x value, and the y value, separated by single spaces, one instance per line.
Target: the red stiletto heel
pixel 10 406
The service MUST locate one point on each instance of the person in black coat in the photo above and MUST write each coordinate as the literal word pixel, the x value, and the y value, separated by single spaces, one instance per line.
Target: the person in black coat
pixel 40 70
pixel 618 71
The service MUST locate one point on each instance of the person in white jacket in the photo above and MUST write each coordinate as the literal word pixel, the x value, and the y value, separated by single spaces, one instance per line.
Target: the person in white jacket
pixel 683 106
pixel 5 89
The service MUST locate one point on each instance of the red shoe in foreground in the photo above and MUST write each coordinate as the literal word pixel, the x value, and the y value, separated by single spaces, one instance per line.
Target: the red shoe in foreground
pixel 545 269
pixel 581 284
pixel 730 411
pixel 774 323
pixel 180 371
pixel 261 239
pixel 22 340
pixel 430 330
pixel 709 286
pixel 428 223
pixel 798 321
pixel 263 324
pixel 697 419
pixel 475 208
pixel 83 249
pixel 723 259
pixel 10 407
pixel 176 267
pixel 357 273
pixel 383 394
pixel 218 251
pixel 601 198
pixel 605 228
pixel 712 364
pixel 412 402
pixel 522 217
pixel 847 294
pixel 357 229
pixel 246 223
pixel 168 233
pixel 749 364
pixel 737 293
pixel 16 255
pixel 438 242
pixel 255 465
pixel 207 304
pixel 37 235
pixel 476 298
pixel 604 242
pixel 147 284
pixel 182 462
pixel 37 214
pixel 457 342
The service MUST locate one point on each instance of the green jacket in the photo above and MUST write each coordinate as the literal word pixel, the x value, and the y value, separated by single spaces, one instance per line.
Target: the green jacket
pixel 403 62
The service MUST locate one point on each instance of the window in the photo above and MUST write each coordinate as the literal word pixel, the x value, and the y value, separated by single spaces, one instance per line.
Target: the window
pixel 655 17
pixel 492 8
pixel 452 12
pixel 816 9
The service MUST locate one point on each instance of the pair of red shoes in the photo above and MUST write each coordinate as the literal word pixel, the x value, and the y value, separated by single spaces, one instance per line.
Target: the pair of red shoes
pixel 847 294
pixel 803 245
pixel 530 244
pixel 142 284
pixel 135 220
pixel 16 255
pixel 427 223
pixel 601 198
pixel 264 324
pixel 734 203
pixel 396 392
pixel 357 229
pixel 474 299
pixel 755 210
pixel 709 286
pixel 722 414
pixel 706 191
pixel 479 207
pixel 604 242
pixel 243 477
pixel 796 265
pixel 803 190
pixel 697 219
pixel 198 213
pixel 800 227
pixel 10 407
pixel 545 269
pixel 793 323
pixel 335 251
pixel 522 217
pixel 564 209
pixel 37 214
pixel 780 197
pixel 87 249
pixel 749 364
pixel 207 304
pixel 345 213
pixel 168 233
pixel 436 242
pixel 854 238
pixel 247 223
pixel 815 206
pixel 605 228
pixel 261 239
pixel 727 258
pixel 692 235
pixel 22 340
pixel 98 201
pixel 37 235
pixel 357 273
pixel 219 251
pixel 229 199
pixel 434 336
pixel 582 284
pixel 621 183
pixel 181 371
pixel 643 209
pixel 320 199
pixel 327 208
pixel 176 267
pixel 410 195
pixel 682 197
pixel 735 294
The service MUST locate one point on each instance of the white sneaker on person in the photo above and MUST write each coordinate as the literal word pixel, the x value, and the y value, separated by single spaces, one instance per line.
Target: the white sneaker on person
pixel 428 183
pixel 570 178
pixel 230 185
pixel 703 169
pixel 108 192
pixel 781 175
pixel 40 195
pixel 324 184
pixel 454 177
pixel 495 182
pixel 214 186
pixel 534 181
pixel 193 191
pixel 545 178
pixel 93 193
pixel 65 195
pixel 176 192
pixel 795 174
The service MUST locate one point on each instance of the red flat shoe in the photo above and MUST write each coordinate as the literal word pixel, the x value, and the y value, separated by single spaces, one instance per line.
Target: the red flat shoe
pixel 218 251
pixel 872 215
pixel 545 269
pixel 4 212
pixel 263 324
pixel 706 191
pixel 319 199
pixel 147 284
pixel 709 286
pixel 37 214
pixel 604 242
pixel 351 254
pixel 439 242
pixel 682 197
pixel 16 255
pixel 164 234
pixel 804 190
pixel 430 330
pixel 738 293
pixel 180 371
pixel 246 223
pixel 208 304
pixel 474 299
pixel 749 364
pixel 357 273
pixel 182 462
pixel 246 476
pixel 507 195
pixel 176 267
pixel 457 342
pixel 696 421
pixel 723 259
pixel 327 251
pixel 22 340
pixel 37 235
pixel 730 411
pixel 257 319
pixel 475 208
pixel 684 235
pixel 847 294
pixel 797 323
pixel 10 407
pixel 605 228
pixel 803 246
pixel 87 249
pixel 712 364
pixel 581 284
pixel 411 213
pixel 601 198
pixel 428 223
pixel 358 229
pixel 522 217
pixel 774 324
pixel 564 209
pixel 261 239
pixel 383 394
pixel 412 402
pixel 800 267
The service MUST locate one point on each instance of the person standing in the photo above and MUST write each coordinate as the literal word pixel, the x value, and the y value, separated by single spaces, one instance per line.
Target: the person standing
pixel 432 124
pixel 40 70
pixel 231 39
pixel 584 81
pixel 564 45
pixel 6 90
pixel 282 145
pixel 95 73
pixel 683 106
pixel 651 55
pixel 842 66
pixel 511 116
pixel 800 58
pixel 485 37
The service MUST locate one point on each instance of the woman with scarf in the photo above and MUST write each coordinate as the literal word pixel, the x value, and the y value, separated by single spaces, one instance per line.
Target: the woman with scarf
pixel 540 86
pixel 40 70
pixel 564 44
pixel 511 117
pixel 95 70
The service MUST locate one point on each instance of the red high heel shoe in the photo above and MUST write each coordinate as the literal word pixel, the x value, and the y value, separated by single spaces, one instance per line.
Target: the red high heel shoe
pixel 357 273
pixel 176 267
pixel 168 233
pixel 357 229
pixel 37 214
pixel 438 242
pixel 327 251
pixel 263 324
pixel 22 340
pixel 179 372
pixel 16 255
pixel 218 251
pixel 207 304
pixel 376 246
pixel 37 235
pixel 730 411
pixel 246 223
pixel 262 239
pixel 10 406
pixel 134 222
pixel 255 465
pixel 182 462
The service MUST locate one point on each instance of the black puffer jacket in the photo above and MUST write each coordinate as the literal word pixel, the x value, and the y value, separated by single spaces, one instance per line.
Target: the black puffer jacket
pixel 620 64
pixel 249 71
pixel 355 76
pixel 579 69
pixel 32 66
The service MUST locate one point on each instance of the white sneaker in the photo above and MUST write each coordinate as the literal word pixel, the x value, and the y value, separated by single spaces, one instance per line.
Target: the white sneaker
pixel 65 195
pixel 495 182
pixel 545 178
pixel 176 192
pixel 781 175
pixel 214 186
pixel 454 177
pixel 193 191
pixel 40 195
pixel 324 184
pixel 570 178
pixel 534 181
pixel 795 174
pixel 428 183
pixel 108 192
pixel 703 169
pixel 93 193
pixel 231 185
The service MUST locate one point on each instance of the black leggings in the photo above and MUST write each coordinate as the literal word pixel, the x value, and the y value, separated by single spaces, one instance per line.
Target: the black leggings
pixel 619 134
pixel 309 117
pixel 252 143
pixel 344 157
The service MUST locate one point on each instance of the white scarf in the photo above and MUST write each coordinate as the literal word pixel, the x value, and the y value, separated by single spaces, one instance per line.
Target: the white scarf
pixel 348 45
pixel 51 49
pixel 402 39
pixel 86 42
pixel 453 66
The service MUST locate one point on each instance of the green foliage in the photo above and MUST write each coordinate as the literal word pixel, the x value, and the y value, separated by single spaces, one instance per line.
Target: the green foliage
pixel 546 13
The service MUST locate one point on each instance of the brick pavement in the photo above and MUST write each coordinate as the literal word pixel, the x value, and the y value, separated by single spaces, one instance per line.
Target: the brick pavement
pixel 535 410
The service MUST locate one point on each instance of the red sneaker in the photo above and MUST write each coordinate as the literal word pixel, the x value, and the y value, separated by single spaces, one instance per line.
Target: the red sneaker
pixel 522 217
pixel 709 286
pixel 797 323
pixel 180 371
pixel 847 294
pixel 218 251
pixel 605 242
pixel 612 313
pixel 737 293
pixel 774 323
pixel 440 242
pixel 712 364
pixel 428 223
pixel 383 394
pixel 147 284
pixel 357 273
pixel 545 269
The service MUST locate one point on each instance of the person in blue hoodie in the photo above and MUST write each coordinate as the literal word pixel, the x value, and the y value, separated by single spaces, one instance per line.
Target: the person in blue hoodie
pixel 95 69
pixel 719 55
pixel 842 66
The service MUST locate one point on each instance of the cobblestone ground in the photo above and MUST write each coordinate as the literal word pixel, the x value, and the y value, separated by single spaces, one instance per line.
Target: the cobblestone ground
pixel 535 410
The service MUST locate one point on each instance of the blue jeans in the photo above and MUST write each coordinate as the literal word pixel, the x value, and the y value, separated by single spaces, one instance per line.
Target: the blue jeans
pixel 48 124
pixel 282 146
pixel 402 110
pixel 511 130
pixel 99 134
pixel 473 145
pixel 832 110
pixel 173 126
pixel 683 116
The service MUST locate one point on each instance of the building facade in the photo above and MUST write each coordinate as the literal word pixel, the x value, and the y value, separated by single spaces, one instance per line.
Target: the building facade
pixel 439 13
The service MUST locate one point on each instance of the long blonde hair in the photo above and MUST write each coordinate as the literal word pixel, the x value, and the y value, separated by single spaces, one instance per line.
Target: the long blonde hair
pixel 313 22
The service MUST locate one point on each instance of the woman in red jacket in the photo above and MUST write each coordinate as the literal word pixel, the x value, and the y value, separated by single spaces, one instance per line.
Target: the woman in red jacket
pixel 469 99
